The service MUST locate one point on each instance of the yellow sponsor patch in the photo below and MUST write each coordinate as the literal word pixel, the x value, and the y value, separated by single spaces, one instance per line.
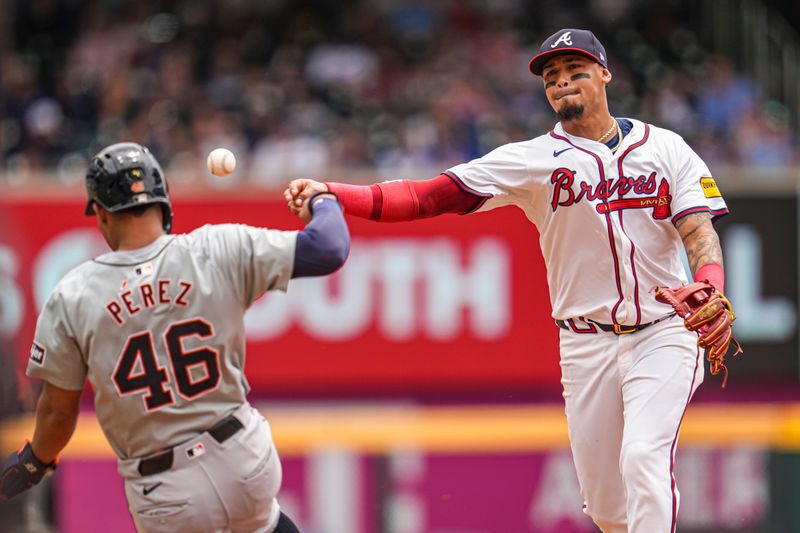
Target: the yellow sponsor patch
pixel 710 188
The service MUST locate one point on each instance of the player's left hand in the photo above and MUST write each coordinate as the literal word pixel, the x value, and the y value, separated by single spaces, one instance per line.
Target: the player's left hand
pixel 22 471
pixel 708 312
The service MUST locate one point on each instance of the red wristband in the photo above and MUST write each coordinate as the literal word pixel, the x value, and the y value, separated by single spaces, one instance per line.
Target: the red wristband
pixel 355 199
pixel 713 273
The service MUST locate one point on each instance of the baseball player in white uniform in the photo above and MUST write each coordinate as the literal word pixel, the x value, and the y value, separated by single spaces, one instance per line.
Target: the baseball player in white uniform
pixel 157 327
pixel 614 201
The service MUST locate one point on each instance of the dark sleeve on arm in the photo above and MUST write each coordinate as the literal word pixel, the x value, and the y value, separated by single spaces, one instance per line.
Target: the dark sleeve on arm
pixel 323 245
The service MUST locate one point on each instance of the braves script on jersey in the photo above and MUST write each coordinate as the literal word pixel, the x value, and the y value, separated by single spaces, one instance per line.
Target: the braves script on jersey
pixel 158 327
pixel 605 220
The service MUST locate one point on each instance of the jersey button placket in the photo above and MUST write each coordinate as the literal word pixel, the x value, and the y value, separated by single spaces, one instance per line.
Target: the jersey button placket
pixel 625 312
pixel 628 271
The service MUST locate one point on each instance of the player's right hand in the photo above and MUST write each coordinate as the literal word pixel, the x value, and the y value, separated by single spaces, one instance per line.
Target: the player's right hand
pixel 22 471
pixel 298 191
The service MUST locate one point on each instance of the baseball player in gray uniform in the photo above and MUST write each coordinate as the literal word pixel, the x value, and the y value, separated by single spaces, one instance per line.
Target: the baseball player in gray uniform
pixel 157 327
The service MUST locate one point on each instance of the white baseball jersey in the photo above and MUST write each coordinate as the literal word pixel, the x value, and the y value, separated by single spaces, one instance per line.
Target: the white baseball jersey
pixel 606 220
pixel 159 331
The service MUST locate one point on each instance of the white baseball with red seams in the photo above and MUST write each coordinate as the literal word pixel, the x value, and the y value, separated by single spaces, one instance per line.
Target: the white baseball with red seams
pixel 221 162
pixel 606 223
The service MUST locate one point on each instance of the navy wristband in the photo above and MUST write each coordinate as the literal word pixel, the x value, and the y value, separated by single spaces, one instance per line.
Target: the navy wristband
pixel 313 196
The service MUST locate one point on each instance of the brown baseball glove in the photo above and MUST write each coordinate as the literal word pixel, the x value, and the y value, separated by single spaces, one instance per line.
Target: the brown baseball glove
pixel 708 312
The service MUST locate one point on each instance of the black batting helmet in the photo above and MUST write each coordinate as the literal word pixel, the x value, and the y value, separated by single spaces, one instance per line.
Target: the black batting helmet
pixel 126 175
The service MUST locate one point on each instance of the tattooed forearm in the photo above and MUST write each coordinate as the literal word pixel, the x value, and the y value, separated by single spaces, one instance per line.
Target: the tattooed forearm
pixel 704 250
pixel 700 240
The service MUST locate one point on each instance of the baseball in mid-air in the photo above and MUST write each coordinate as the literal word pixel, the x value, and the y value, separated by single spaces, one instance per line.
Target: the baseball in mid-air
pixel 221 162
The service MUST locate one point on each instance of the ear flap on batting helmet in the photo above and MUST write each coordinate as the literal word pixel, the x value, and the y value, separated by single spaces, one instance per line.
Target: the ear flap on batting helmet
pixel 126 175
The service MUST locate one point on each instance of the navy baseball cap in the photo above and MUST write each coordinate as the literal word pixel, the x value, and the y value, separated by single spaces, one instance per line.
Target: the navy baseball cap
pixel 568 41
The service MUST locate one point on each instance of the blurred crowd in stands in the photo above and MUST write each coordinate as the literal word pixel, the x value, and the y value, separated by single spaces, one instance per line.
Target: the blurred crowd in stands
pixel 401 88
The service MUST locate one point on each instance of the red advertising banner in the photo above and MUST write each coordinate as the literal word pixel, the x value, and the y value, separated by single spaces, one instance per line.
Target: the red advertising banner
pixel 453 304
pixel 416 492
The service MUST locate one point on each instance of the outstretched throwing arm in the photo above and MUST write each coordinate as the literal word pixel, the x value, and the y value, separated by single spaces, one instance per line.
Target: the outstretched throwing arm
pixel 391 201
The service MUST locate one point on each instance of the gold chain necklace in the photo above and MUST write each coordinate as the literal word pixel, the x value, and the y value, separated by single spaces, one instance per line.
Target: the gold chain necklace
pixel 605 136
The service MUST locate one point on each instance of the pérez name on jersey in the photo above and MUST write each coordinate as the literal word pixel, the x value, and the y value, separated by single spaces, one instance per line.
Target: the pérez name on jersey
pixel 131 300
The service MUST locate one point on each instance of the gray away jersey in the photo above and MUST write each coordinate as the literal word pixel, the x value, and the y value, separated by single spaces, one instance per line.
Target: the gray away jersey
pixel 159 331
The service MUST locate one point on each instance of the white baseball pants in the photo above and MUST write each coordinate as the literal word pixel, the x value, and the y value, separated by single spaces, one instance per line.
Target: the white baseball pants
pixel 625 398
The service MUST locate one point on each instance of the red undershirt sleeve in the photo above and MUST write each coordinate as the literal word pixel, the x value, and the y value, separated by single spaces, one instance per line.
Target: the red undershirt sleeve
pixel 404 200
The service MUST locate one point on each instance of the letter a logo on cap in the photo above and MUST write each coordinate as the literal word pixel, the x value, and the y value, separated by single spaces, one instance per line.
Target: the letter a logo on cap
pixel 565 38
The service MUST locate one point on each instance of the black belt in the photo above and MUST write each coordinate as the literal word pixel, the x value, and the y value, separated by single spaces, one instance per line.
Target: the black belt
pixel 221 431
pixel 617 329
